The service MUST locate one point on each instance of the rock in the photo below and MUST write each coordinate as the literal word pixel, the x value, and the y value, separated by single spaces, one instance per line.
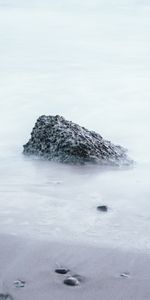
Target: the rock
pixel 62 271
pixel 102 208
pixel 55 138
pixel 72 281
pixel 19 283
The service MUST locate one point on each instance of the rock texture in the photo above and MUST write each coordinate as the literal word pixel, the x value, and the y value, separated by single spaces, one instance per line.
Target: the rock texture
pixel 55 138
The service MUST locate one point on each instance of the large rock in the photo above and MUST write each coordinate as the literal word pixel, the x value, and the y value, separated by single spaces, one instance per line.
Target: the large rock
pixel 55 138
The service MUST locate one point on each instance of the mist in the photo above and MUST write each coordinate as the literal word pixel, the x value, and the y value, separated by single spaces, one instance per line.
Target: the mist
pixel 89 62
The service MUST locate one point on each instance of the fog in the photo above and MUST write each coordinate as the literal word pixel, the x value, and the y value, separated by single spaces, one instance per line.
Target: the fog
pixel 88 61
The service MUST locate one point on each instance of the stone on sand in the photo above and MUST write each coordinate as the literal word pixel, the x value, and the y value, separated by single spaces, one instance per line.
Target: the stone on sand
pixel 71 281
pixel 103 208
pixel 62 271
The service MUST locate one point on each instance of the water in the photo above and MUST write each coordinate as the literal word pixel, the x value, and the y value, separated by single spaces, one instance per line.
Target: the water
pixel 88 61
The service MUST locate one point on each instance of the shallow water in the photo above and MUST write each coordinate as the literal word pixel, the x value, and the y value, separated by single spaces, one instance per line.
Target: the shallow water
pixel 88 61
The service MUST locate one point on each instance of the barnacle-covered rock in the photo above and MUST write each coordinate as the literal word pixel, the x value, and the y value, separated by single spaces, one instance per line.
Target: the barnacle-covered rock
pixel 55 138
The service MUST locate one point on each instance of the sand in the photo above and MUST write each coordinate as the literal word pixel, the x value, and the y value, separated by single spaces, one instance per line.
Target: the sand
pixel 35 261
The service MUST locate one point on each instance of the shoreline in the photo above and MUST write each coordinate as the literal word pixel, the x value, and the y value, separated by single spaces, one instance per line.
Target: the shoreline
pixel 105 273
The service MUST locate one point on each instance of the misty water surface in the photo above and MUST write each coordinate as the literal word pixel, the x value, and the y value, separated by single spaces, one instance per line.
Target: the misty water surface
pixel 88 61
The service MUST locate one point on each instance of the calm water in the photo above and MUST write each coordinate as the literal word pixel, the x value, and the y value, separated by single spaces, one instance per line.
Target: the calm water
pixel 88 61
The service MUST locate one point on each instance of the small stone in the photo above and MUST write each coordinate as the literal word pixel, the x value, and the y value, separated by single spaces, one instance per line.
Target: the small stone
pixel 103 208
pixel 19 283
pixel 125 275
pixel 62 271
pixel 71 281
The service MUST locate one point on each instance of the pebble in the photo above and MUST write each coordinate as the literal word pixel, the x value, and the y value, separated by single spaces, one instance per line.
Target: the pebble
pixel 62 271
pixel 71 281
pixel 125 275
pixel 103 208
pixel 19 283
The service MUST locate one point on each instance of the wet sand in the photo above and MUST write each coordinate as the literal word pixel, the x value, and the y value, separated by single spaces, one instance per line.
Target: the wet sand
pixel 104 273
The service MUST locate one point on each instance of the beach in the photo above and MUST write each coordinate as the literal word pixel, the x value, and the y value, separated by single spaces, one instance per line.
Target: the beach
pixel 105 273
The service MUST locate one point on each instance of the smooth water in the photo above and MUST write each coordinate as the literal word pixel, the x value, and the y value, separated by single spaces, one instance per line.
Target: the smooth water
pixel 88 61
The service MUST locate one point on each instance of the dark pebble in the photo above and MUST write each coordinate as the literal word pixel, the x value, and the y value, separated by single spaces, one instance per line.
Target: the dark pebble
pixel 62 271
pixel 71 281
pixel 103 208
